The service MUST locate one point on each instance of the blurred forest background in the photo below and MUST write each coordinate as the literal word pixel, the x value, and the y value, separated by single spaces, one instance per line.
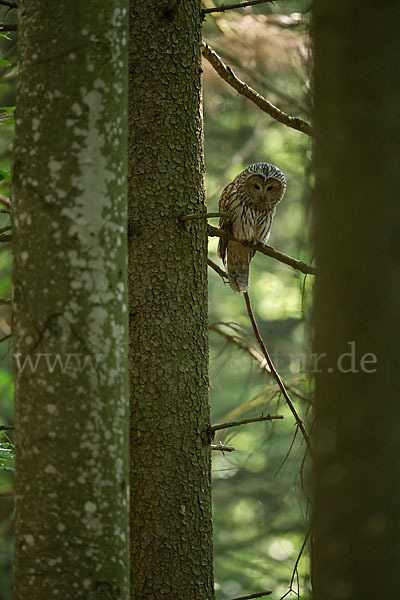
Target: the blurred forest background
pixel 260 496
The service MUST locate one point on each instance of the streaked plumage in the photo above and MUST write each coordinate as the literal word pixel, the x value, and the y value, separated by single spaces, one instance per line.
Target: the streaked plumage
pixel 251 198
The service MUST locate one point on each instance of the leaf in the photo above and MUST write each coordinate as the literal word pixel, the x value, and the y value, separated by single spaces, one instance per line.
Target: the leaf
pixel 3 35
pixel 4 63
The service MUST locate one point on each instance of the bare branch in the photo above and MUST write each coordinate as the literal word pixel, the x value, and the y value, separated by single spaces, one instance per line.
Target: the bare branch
pixel 225 7
pixel 7 427
pixel 6 337
pixel 210 215
pixel 284 258
pixel 217 269
pixel 245 421
pixel 222 448
pixel 240 86
pixel 240 344
pixel 5 238
pixel 275 373
pixel 291 590
pixel 259 595
pixel 297 393
pixel 261 79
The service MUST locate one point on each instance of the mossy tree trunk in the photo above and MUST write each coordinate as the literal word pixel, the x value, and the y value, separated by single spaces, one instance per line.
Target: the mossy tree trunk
pixel 171 549
pixel 70 304
pixel 356 548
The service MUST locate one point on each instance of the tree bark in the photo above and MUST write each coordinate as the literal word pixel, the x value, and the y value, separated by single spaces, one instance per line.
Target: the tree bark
pixel 356 548
pixel 70 304
pixel 171 548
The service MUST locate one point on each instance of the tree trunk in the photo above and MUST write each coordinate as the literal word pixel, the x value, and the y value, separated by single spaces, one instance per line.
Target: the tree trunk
pixel 170 459
pixel 357 444
pixel 70 313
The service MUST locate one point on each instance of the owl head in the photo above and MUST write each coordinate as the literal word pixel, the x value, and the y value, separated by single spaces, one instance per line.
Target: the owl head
pixel 264 183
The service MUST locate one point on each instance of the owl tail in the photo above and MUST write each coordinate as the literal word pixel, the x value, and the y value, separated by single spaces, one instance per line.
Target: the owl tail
pixel 238 265
pixel 239 282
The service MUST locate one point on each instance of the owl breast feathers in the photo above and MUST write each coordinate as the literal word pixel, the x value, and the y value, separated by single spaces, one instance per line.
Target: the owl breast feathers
pixel 251 199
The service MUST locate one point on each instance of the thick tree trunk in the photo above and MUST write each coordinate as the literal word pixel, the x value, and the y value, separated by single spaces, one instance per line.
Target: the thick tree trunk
pixel 170 459
pixel 70 316
pixel 357 442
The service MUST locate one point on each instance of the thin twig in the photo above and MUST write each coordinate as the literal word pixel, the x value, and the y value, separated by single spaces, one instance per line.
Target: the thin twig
pixel 288 452
pixel 267 250
pixel 217 269
pixel 296 392
pixel 4 229
pixel 210 215
pixel 240 344
pixel 259 595
pixel 258 78
pixel 225 7
pixel 303 485
pixel 5 238
pixel 6 427
pixel 245 421
pixel 240 86
pixel 275 373
pixel 6 337
pixel 222 448
pixel 295 569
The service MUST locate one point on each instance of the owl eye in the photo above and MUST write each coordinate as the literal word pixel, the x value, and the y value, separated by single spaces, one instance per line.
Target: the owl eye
pixel 269 188
pixel 256 186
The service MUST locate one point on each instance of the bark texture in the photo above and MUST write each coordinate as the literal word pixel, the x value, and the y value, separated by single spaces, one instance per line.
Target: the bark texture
pixel 356 548
pixel 70 305
pixel 170 458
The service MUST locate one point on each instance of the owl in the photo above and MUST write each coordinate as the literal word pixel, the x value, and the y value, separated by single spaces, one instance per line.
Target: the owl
pixel 251 198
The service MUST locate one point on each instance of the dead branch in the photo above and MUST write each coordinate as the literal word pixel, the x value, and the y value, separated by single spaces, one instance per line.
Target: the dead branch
pixel 296 565
pixel 275 373
pixel 222 448
pixel 225 7
pixel 240 344
pixel 210 215
pixel 217 269
pixel 245 422
pixel 267 250
pixel 259 595
pixel 240 86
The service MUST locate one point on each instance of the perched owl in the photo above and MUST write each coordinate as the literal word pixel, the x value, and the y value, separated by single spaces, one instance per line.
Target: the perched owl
pixel 251 198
